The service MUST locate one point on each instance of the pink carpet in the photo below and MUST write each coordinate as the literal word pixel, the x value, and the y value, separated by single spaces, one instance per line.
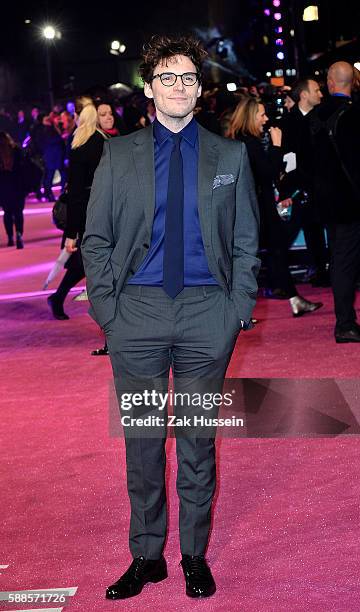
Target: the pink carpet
pixel 286 516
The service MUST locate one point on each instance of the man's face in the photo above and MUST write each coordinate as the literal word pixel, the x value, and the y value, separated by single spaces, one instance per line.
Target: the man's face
pixel 330 83
pixel 314 94
pixel 176 101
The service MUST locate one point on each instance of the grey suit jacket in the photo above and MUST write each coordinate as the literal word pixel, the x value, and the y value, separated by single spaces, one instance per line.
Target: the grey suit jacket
pixel 121 210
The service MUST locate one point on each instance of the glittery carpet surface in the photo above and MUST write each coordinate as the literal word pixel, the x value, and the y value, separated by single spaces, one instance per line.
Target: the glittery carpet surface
pixel 285 531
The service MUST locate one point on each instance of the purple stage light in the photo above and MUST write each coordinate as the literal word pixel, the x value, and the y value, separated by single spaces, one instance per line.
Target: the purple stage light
pixel 276 2
pixel 27 271
pixel 279 42
pixel 267 12
pixel 278 30
pixel 33 211
pixel 32 294
pixel 277 16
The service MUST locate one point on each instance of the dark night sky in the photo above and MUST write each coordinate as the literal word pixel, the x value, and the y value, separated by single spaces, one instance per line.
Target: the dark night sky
pixel 86 36
pixel 134 21
pixel 87 32
pixel 130 21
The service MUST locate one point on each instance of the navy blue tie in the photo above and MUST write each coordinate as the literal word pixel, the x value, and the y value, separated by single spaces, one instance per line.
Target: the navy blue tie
pixel 173 266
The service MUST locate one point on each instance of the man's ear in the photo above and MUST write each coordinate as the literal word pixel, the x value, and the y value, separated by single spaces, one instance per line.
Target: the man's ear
pixel 148 91
pixel 199 91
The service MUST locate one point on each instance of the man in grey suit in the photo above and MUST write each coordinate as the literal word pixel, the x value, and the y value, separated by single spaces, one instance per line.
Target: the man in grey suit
pixel 170 254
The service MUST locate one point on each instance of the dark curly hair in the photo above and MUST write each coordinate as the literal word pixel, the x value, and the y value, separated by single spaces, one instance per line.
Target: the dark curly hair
pixel 163 47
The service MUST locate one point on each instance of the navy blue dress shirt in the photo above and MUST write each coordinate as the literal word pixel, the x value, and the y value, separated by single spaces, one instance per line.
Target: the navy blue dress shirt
pixel 196 270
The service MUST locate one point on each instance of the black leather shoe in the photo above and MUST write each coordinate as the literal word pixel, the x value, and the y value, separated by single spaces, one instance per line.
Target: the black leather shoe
pixel 56 308
pixel 10 241
pixel 300 306
pixel 351 335
pixel 198 577
pixel 101 351
pixel 19 241
pixel 139 573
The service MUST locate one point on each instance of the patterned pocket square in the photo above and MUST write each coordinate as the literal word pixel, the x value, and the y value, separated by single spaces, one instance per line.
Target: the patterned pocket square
pixel 223 179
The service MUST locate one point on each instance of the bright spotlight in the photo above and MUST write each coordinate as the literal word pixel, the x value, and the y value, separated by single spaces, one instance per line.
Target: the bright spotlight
pixel 115 45
pixel 49 32
pixel 311 13
pixel 231 86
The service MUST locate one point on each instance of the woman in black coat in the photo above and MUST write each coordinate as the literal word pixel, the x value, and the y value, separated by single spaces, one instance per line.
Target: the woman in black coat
pixel 266 160
pixel 12 189
pixel 95 125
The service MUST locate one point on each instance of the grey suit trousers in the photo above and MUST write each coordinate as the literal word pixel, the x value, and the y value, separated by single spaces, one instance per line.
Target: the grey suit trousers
pixel 194 335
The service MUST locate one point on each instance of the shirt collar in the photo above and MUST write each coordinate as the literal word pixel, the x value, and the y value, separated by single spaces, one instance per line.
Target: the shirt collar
pixel 189 132
pixel 303 112
pixel 340 95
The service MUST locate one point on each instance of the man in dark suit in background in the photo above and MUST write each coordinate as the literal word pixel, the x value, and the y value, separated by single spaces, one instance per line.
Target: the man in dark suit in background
pixel 297 139
pixel 335 126
pixel 170 254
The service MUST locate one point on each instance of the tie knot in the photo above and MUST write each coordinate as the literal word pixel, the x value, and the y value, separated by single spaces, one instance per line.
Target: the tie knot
pixel 176 140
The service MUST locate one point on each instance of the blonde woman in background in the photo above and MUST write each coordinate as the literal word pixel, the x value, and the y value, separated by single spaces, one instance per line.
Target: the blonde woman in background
pixel 95 124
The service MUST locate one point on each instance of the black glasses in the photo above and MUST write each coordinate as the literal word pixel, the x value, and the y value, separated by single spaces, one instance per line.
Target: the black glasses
pixel 169 78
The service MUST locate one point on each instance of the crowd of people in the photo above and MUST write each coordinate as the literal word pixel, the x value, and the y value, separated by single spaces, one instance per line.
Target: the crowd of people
pixel 302 144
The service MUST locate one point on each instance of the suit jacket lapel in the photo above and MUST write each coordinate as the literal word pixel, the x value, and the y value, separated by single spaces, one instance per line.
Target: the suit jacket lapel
pixel 208 161
pixel 143 152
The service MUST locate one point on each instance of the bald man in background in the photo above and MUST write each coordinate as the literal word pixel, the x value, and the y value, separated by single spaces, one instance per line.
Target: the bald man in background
pixel 335 127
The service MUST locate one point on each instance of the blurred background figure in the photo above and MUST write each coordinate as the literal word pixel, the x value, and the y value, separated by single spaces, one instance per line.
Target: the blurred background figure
pixel 134 114
pixel 12 190
pixel 7 124
pixel 34 146
pixel 67 124
pixel 335 127
pixel 22 127
pixel 53 153
pixel 95 124
pixel 266 160
pixel 295 126
pixel 35 112
pixel 150 112
pixel 289 101
pixel 355 87
pixel 207 114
